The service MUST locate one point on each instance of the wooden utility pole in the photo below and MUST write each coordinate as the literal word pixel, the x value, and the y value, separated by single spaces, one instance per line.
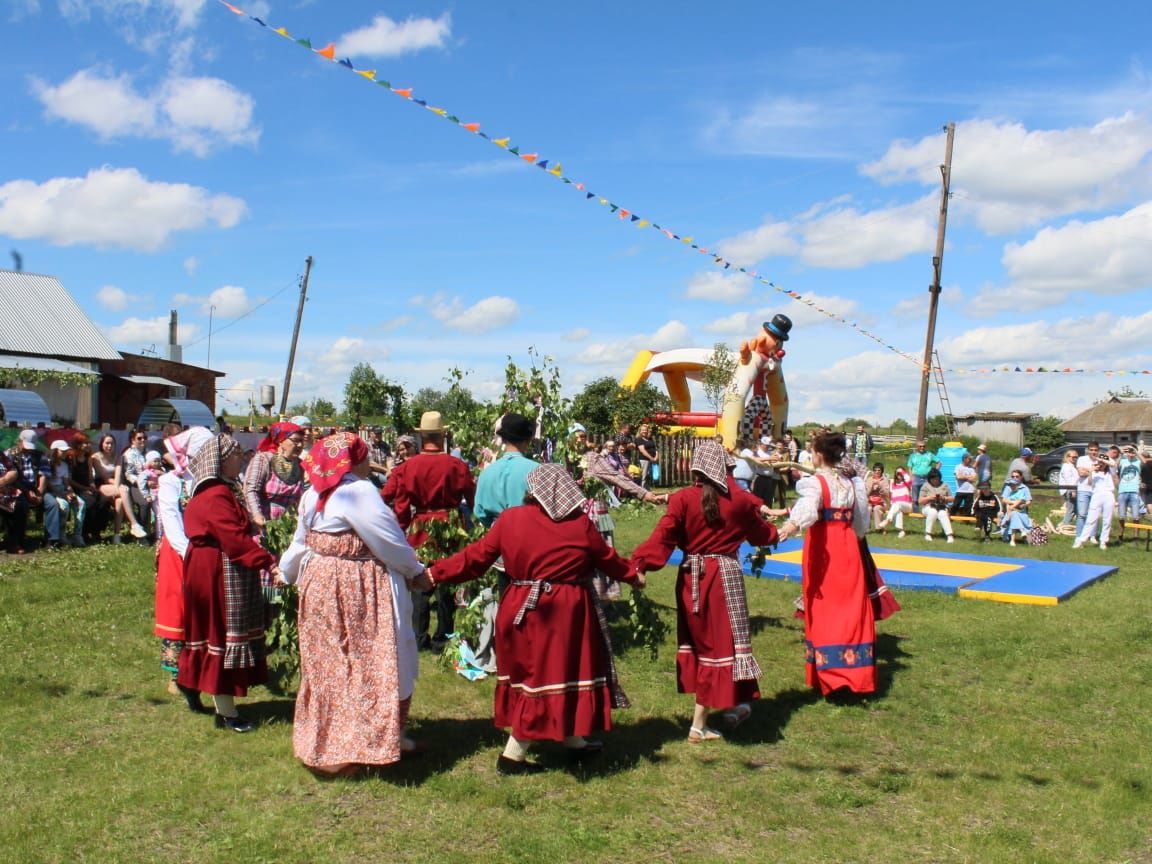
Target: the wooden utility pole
pixel 295 334
pixel 934 288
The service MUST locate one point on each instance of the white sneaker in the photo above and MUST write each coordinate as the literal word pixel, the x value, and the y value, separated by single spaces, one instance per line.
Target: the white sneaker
pixel 883 524
pixel 1092 540
pixel 901 535
pixel 1078 544
pixel 928 537
pixel 1103 546
pixel 951 539
pixel 138 530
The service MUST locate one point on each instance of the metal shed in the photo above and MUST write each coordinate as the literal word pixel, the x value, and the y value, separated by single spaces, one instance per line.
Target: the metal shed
pixel 24 407
pixel 186 412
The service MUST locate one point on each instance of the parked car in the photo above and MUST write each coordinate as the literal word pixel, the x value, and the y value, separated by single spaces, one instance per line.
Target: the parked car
pixel 1047 465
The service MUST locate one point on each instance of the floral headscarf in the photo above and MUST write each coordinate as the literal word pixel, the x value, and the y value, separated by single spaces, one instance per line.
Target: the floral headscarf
pixel 555 491
pixel 330 459
pixel 184 445
pixel 206 462
pixel 277 432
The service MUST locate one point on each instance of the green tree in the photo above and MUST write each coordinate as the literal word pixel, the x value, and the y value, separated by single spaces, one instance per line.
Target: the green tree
pixel 367 394
pixel 936 426
pixel 1043 433
pixel 322 408
pixel 716 377
pixel 603 406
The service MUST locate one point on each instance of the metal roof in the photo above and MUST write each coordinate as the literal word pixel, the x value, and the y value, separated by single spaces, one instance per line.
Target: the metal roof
pixel 44 364
pixel 186 412
pixel 23 407
pixel 40 317
pixel 150 379
pixel 1134 416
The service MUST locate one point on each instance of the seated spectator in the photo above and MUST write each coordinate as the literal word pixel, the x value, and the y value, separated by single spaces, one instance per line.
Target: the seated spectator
pixel 879 494
pixel 986 507
pixel 1017 499
pixel 900 496
pixel 60 502
pixel 106 468
pixel 934 498
pixel 131 464
pixel 10 501
pixel 83 483
pixel 32 470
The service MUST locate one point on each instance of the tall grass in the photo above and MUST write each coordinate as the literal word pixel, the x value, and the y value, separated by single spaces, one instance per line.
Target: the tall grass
pixel 1001 733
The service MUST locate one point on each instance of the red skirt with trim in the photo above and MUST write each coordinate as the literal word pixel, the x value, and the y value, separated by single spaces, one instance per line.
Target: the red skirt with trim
pixel 839 622
pixel 552 669
pixel 705 648
pixel 169 593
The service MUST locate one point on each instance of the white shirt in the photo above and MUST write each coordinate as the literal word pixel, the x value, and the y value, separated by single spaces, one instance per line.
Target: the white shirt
pixel 168 489
pixel 1084 483
pixel 1069 477
pixel 845 493
pixel 356 505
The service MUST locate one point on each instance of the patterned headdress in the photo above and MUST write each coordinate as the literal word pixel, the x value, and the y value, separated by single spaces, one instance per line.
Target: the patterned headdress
pixel 205 464
pixel 330 459
pixel 555 490
pixel 709 461
pixel 277 432
pixel 184 445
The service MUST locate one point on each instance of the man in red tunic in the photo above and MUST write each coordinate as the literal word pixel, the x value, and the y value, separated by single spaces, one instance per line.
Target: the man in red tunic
pixel 426 488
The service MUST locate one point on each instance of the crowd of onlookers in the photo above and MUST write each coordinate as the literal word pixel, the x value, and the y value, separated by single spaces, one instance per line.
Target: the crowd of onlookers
pixel 83 490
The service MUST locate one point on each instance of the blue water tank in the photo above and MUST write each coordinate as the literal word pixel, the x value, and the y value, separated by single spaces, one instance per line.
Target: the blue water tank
pixel 949 456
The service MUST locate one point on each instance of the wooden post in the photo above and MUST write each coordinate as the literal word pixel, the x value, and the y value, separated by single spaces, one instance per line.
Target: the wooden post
pixel 295 334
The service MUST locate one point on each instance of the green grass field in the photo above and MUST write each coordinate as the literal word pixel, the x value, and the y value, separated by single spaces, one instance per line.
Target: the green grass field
pixel 1001 733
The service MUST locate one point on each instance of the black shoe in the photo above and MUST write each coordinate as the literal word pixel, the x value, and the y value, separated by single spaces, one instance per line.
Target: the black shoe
pixel 239 723
pixel 513 768
pixel 590 750
pixel 192 697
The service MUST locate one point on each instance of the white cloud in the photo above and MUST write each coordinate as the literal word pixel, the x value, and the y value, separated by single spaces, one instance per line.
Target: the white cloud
pixel 183 13
pixel 488 314
pixel 196 115
pixel 113 298
pixel 845 237
pixel 1061 343
pixel 191 265
pixel 231 301
pixel 385 37
pixel 111 208
pixel 718 287
pixel 149 331
pixel 673 334
pixel 768 241
pixel 577 335
pixel 1011 177
pixel 739 326
pixel 915 308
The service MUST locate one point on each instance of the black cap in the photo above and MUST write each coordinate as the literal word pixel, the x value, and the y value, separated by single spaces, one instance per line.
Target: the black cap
pixel 516 428
pixel 779 327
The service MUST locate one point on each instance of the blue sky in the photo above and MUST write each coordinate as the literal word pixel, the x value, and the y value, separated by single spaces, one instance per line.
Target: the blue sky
pixel 167 154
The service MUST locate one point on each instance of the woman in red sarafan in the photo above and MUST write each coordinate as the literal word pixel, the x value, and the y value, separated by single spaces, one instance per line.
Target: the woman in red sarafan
pixel 223 604
pixel 839 577
pixel 709 521
pixel 556 679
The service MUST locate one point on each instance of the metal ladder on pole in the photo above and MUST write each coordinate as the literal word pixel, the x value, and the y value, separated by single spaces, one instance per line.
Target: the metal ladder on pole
pixel 942 390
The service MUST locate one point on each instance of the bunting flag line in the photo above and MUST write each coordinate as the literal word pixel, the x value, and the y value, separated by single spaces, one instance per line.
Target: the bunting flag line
pixel 629 216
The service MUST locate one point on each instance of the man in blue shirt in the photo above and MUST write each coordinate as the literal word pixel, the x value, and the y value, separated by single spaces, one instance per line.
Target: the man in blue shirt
pixel 920 462
pixel 504 483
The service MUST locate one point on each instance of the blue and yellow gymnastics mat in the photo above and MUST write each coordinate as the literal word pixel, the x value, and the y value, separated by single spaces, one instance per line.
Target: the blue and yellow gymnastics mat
pixel 977 577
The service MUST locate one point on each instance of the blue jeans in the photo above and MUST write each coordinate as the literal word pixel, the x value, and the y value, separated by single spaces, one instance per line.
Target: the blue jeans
pixel 1128 505
pixel 1082 500
pixel 52 517
pixel 917 483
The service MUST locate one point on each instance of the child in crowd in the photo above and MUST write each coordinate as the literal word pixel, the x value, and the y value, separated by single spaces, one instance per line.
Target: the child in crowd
pixel 901 492
pixel 148 481
pixel 986 507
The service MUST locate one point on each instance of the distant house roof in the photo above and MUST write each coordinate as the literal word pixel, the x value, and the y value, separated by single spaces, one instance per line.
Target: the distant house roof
pixel 998 415
pixel 40 317
pixel 1135 415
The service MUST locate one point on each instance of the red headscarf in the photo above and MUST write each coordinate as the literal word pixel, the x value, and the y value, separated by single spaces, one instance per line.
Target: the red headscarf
pixel 330 459
pixel 277 432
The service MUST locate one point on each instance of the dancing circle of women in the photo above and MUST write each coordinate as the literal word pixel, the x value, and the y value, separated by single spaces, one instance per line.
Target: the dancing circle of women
pixel 556 678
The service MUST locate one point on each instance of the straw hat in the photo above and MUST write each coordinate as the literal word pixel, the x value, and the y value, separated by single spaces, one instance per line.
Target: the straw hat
pixel 431 421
